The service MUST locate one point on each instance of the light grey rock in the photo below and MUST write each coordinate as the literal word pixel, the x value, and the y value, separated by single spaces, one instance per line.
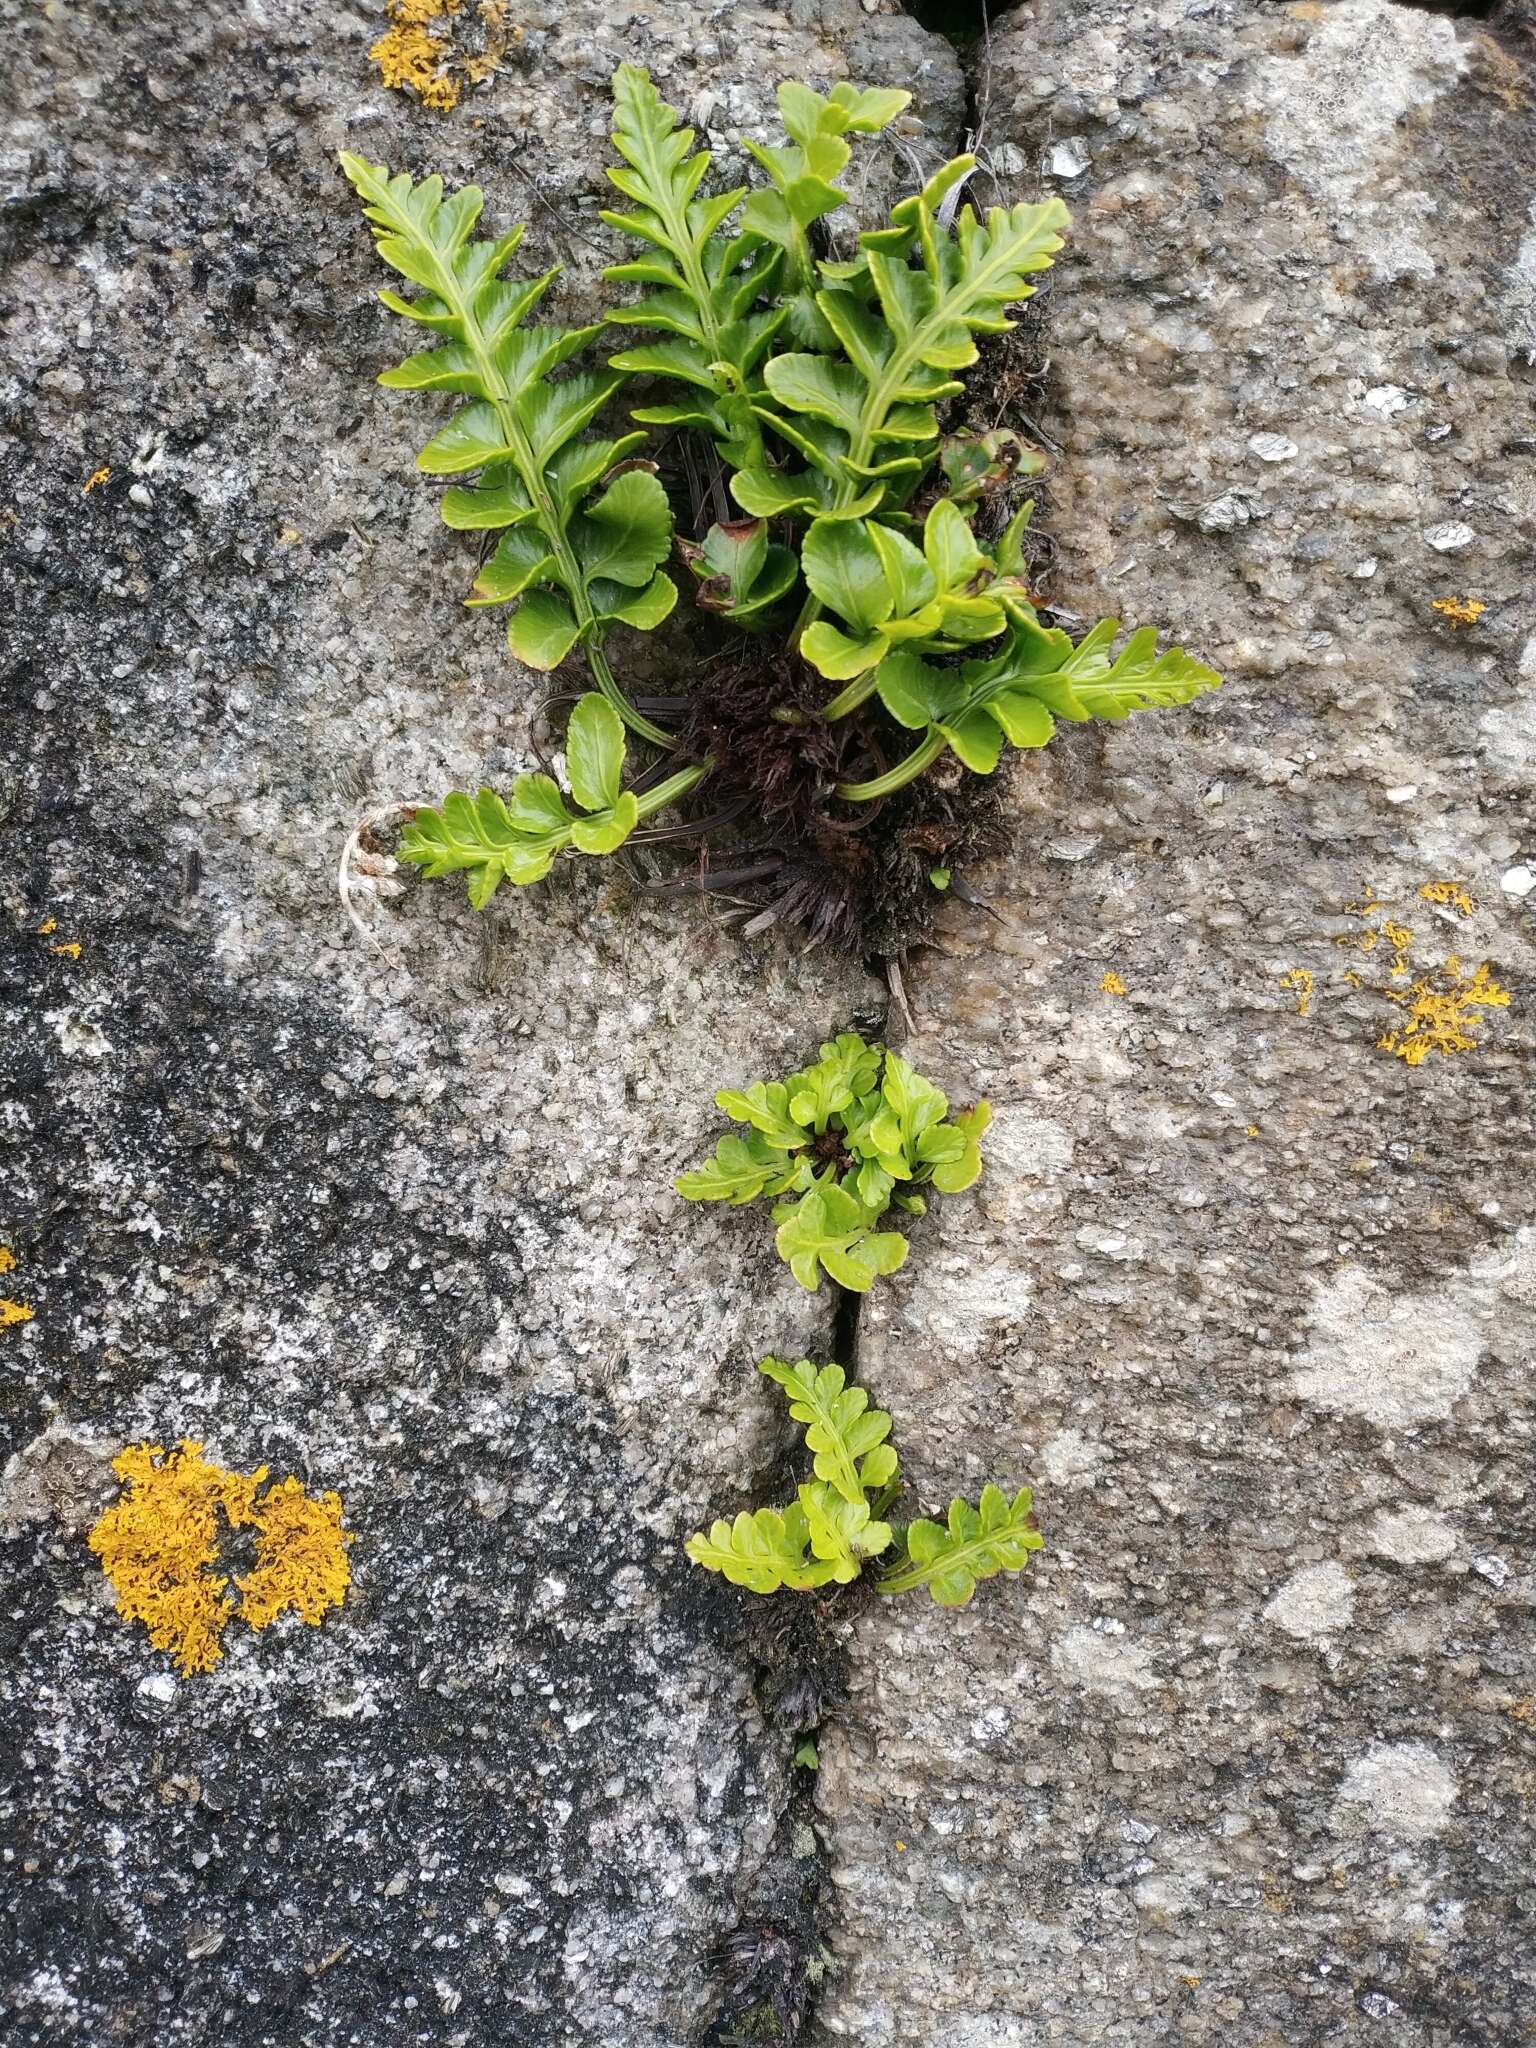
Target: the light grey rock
pixel 1266 1452
pixel 391 1213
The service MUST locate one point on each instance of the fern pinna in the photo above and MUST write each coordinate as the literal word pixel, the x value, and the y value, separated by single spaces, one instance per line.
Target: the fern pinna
pixel 868 573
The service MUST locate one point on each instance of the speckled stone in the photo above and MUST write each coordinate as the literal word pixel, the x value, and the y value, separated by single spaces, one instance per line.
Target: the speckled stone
pixel 1245 1758
pixel 391 1213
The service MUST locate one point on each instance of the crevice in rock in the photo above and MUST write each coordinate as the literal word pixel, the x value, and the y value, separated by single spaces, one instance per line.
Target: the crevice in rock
pixel 771 1966
pixel 961 22
pixel 1460 10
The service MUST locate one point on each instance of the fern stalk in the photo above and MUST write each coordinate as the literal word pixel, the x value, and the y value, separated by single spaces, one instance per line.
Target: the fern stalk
pixel 906 770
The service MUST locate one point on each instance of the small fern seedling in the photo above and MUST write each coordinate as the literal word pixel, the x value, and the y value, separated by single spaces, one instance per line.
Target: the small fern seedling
pixel 846 1140
pixel 835 1526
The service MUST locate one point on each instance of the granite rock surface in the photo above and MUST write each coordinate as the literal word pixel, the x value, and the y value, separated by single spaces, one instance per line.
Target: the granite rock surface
pixel 391 1212
pixel 1249 1299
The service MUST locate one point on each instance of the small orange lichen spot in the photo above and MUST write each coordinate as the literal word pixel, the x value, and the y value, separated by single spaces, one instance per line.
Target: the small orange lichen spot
pixel 1461 611
pixel 900 1848
pixel 412 57
pixel 1451 894
pixel 69 946
pixel 1252 1130
pixel 1440 1008
pixel 48 925
pixel 13 1312
pixel 1112 985
pixel 1300 979
pixel 159 1546
pixel 1353 979
pixel 97 476
pixel 7 1259
pixel 1400 939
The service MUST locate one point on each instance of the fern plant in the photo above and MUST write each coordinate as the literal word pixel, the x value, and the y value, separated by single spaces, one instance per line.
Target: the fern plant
pixel 837 1525
pixel 822 386
pixel 845 1140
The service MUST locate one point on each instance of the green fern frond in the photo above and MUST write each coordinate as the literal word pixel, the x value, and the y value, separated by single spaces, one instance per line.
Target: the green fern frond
pixel 846 1435
pixel 573 561
pixel 904 327
pixel 976 1543
pixel 496 840
pixel 763 1551
pixel 1018 694
pixel 803 188
pixel 703 285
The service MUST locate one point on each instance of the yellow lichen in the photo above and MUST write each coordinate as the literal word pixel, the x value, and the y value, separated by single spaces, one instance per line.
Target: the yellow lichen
pixel 1400 938
pixel 7 1259
pixel 97 476
pixel 48 926
pixel 1450 893
pixel 414 59
pixel 1440 1008
pixel 423 52
pixel 1112 985
pixel 159 1546
pixel 1461 611
pixel 1299 979
pixel 13 1312
pixel 301 1556
pixel 69 946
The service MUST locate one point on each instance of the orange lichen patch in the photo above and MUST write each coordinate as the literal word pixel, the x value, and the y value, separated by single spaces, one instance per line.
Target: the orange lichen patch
pixel 14 1312
pixel 423 51
pixel 1252 1130
pixel 499 38
pixel 1452 894
pixel 69 946
pixel 1400 938
pixel 48 926
pixel 411 57
pixel 301 1556
pixel 1461 611
pixel 7 1259
pixel 1440 1008
pixel 1300 979
pixel 1112 985
pixel 96 477
pixel 159 1546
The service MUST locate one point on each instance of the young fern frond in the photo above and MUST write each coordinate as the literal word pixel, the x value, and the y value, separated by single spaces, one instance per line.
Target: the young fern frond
pixel 848 1138
pixel 829 1229
pixel 847 1436
pixel 763 1551
pixel 802 188
pixel 704 284
pixel 975 1543
pixel 833 1527
pixel 516 840
pixel 574 560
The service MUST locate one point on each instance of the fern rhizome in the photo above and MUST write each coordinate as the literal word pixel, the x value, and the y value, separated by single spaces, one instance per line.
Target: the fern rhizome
pixel 862 636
